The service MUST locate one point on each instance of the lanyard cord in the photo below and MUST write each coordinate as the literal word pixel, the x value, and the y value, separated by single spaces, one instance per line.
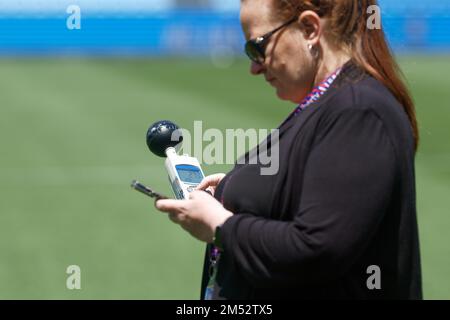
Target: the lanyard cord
pixel 317 92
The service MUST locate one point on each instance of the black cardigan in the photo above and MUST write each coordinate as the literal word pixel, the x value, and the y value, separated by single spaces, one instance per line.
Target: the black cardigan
pixel 342 200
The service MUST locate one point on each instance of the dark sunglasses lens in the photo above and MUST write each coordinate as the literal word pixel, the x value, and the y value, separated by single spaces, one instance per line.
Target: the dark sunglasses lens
pixel 253 52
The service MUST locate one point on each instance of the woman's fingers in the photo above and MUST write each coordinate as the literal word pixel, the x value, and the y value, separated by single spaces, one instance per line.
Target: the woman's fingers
pixel 170 205
pixel 176 209
pixel 210 181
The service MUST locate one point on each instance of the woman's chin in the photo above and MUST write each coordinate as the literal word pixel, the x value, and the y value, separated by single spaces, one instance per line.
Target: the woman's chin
pixel 291 96
pixel 283 95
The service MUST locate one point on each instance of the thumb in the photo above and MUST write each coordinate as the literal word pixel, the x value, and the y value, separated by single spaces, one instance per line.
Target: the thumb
pixel 211 180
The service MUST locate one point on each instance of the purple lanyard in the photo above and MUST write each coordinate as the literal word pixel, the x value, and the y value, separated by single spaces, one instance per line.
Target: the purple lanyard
pixel 215 253
pixel 214 256
pixel 318 91
pixel 315 94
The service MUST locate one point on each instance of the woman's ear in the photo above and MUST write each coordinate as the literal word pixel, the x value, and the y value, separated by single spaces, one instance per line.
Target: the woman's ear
pixel 311 26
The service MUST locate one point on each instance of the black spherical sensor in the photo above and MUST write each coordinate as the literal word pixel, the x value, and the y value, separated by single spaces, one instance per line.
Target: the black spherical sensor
pixel 161 135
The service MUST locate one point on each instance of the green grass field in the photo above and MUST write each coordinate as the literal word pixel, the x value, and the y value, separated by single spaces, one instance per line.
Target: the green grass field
pixel 72 135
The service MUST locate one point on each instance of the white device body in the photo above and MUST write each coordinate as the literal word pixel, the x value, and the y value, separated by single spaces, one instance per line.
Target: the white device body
pixel 184 172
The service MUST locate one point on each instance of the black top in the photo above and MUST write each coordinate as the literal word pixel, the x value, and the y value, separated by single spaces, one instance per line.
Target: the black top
pixel 342 200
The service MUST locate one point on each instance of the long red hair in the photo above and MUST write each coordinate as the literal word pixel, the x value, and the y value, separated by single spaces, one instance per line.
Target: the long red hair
pixel 368 47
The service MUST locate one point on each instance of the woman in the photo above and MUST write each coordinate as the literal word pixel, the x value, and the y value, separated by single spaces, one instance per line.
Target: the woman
pixel 338 219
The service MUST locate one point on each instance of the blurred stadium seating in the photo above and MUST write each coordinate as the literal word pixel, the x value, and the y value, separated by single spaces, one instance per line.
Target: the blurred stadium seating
pixel 182 27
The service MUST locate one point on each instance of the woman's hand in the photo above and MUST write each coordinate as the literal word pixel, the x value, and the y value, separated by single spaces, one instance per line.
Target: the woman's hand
pixel 210 182
pixel 199 215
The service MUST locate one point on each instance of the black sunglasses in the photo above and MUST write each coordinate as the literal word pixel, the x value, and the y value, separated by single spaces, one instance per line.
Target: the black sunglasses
pixel 256 48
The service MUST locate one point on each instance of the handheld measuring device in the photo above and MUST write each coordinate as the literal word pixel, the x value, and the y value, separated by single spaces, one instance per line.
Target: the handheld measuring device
pixel 163 139
pixel 184 173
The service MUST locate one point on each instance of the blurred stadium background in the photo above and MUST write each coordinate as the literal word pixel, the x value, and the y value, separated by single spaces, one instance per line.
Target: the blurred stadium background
pixel 74 108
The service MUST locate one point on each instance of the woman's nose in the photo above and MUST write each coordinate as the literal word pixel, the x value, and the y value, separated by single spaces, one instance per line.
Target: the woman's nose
pixel 256 68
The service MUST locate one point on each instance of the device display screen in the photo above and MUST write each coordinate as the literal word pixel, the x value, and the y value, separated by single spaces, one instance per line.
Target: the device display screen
pixel 189 174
